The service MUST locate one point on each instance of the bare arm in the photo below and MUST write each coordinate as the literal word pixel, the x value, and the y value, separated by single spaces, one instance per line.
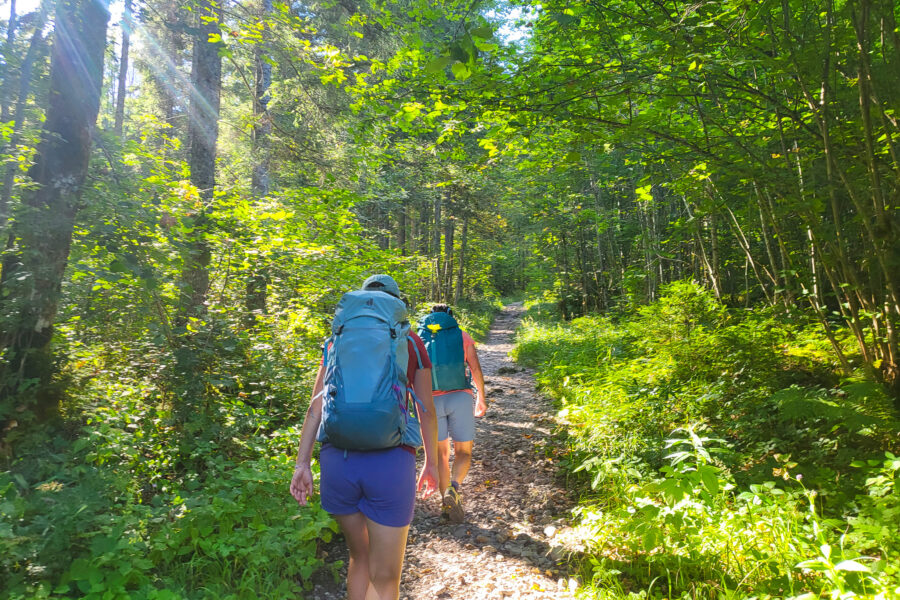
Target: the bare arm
pixel 302 483
pixel 428 422
pixel 478 378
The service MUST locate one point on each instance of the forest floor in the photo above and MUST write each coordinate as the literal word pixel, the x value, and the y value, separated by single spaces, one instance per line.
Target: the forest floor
pixel 515 541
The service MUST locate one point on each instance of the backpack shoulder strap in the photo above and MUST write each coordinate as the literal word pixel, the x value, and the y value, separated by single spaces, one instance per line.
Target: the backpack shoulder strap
pixel 416 348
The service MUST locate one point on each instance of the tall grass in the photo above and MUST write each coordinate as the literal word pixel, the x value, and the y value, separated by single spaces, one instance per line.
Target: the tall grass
pixel 720 454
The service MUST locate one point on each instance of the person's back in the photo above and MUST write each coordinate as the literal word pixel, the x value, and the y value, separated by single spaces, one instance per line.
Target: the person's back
pixel 368 482
pixel 366 382
pixel 455 367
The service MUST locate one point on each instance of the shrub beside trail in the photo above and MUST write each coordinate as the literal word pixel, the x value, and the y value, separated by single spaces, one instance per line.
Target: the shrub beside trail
pixel 720 453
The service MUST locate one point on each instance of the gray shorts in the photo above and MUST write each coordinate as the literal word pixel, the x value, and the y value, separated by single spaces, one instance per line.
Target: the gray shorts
pixel 455 416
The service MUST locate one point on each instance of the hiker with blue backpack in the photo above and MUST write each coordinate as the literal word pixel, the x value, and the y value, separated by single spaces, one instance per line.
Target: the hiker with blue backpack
pixel 371 409
pixel 455 368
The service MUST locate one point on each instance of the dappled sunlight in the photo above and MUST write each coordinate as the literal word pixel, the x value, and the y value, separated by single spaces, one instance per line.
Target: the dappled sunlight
pixel 670 229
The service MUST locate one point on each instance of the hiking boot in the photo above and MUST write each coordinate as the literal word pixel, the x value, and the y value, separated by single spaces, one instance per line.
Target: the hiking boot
pixel 452 506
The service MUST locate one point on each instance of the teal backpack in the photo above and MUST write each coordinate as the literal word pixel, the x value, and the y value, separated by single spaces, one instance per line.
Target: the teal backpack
pixel 365 397
pixel 444 342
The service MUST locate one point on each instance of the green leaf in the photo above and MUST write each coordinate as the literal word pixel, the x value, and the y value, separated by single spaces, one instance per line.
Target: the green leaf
pixel 484 32
pixel 650 539
pixel 438 64
pixel 460 70
pixel 484 45
pixel 117 266
pixel 564 19
pixel 644 193
pixel 710 478
pixel 851 565
pixel 458 53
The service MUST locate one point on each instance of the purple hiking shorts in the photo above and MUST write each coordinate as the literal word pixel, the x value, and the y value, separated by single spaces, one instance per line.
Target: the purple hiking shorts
pixel 381 484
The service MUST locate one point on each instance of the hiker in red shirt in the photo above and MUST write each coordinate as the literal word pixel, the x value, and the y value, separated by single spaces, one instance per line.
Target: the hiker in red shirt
pixel 455 367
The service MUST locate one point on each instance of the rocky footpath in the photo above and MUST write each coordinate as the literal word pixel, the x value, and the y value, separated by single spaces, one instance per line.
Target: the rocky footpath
pixel 511 543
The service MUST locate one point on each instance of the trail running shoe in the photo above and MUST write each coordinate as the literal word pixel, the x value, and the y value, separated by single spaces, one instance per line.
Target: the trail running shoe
pixel 452 506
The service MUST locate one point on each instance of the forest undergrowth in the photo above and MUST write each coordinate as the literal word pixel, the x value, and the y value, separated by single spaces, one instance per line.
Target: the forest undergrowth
pixel 127 499
pixel 181 212
pixel 719 453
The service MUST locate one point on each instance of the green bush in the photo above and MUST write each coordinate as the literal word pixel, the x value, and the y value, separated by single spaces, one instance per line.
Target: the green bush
pixel 791 495
pixel 116 515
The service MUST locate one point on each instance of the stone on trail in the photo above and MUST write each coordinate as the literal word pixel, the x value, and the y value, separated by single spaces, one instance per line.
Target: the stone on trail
pixel 460 531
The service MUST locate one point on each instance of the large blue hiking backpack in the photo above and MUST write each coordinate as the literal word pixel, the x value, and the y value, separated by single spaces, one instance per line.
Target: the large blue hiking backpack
pixel 444 342
pixel 365 398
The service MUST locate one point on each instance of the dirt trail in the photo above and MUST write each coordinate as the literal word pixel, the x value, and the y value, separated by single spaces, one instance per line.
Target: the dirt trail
pixel 509 546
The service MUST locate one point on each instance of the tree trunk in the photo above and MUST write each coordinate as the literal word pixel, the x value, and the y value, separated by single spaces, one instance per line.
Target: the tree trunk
pixel 123 69
pixel 262 122
pixel 7 57
pixel 447 277
pixel 9 174
pixel 257 285
pixel 764 232
pixel 714 248
pixel 598 272
pixel 885 243
pixel 460 277
pixel 783 252
pixel 582 256
pixel 203 133
pixel 167 24
pixel 647 247
pixel 422 238
pixel 564 296
pixel 436 246
pixel 744 243
pixel 402 226
pixel 31 278
pixel 698 238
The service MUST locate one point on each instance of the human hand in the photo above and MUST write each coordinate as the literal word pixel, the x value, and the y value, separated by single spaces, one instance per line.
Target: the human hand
pixel 480 406
pixel 428 480
pixel 302 484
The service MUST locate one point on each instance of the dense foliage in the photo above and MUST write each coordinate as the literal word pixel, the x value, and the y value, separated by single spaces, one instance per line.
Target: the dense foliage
pixel 750 146
pixel 188 187
pixel 720 453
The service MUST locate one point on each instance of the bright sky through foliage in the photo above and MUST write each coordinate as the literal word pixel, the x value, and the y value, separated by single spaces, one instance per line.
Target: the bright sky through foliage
pixel 513 30
pixel 23 7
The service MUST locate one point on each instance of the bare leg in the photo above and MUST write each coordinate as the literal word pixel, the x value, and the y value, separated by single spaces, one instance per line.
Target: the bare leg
pixel 357 536
pixel 443 465
pixel 386 548
pixel 462 460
